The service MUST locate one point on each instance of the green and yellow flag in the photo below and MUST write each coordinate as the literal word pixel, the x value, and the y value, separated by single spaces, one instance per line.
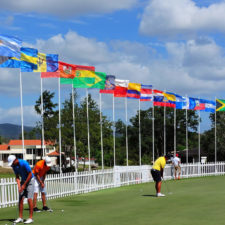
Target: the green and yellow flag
pixel 89 79
pixel 220 105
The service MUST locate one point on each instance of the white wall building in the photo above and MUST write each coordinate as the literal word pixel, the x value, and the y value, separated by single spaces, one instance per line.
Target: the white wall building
pixel 33 151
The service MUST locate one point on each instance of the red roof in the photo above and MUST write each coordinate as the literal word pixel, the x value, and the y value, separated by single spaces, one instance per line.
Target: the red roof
pixel 4 147
pixel 53 154
pixel 29 142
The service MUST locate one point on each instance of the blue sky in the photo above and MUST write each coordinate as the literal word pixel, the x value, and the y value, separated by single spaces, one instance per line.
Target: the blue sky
pixel 175 45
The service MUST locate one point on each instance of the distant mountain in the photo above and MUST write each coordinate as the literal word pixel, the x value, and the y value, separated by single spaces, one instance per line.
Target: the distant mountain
pixel 12 131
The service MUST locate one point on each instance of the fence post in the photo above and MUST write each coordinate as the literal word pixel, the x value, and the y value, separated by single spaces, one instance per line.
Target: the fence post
pixel 116 177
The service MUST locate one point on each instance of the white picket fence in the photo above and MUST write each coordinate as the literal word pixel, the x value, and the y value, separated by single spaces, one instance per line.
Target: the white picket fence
pixel 83 182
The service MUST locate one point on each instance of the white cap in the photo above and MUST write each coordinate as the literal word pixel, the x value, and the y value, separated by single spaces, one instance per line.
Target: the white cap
pixel 11 159
pixel 48 161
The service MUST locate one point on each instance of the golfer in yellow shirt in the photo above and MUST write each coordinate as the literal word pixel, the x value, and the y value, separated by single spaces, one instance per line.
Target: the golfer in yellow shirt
pixel 157 173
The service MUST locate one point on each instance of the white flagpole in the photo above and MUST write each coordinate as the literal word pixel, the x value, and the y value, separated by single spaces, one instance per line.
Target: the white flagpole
pixel 153 129
pixel 164 130
pixel 114 133
pixel 140 132
pixel 74 133
pixel 60 142
pixel 100 112
pixel 175 131
pixel 21 108
pixel 215 135
pixel 186 133
pixel 42 116
pixel 199 138
pixel 126 131
pixel 88 134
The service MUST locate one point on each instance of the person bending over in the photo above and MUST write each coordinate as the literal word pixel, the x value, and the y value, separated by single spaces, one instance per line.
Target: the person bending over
pixel 157 173
pixel 25 183
pixel 39 171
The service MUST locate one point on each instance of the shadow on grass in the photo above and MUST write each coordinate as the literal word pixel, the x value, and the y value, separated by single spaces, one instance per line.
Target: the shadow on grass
pixel 7 220
pixel 149 196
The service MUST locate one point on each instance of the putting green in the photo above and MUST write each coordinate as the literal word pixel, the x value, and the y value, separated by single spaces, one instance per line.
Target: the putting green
pixel 197 201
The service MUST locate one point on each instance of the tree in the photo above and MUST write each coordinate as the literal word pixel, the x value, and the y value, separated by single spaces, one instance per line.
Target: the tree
pixel 146 132
pixel 208 137
pixel 50 116
pixel 81 130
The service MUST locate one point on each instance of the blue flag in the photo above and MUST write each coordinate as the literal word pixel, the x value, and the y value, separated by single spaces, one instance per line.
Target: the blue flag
pixel 10 46
pixel 29 59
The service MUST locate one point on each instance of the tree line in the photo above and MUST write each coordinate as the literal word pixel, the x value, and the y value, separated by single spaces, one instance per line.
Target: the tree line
pixel 51 131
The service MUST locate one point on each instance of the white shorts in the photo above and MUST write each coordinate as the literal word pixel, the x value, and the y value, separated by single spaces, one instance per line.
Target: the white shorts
pixel 37 186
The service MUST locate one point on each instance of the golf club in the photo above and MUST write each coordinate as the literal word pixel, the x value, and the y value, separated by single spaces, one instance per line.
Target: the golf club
pixel 50 208
pixel 167 187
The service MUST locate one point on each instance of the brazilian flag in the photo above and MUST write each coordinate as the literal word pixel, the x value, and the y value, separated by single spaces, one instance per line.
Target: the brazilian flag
pixel 220 105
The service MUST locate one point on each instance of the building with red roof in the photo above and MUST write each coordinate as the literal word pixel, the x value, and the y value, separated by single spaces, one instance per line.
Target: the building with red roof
pixel 33 150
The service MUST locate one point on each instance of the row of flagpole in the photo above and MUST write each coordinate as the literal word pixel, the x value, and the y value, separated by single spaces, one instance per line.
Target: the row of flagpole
pixel 114 129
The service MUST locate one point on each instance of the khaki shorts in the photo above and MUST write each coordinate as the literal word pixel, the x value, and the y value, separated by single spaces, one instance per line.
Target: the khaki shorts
pixel 178 169
pixel 28 192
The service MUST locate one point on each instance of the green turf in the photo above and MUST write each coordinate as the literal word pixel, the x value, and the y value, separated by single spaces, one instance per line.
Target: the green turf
pixel 196 201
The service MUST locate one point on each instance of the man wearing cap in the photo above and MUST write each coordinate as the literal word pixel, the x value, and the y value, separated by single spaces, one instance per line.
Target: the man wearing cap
pixel 22 170
pixel 176 163
pixel 157 173
pixel 40 170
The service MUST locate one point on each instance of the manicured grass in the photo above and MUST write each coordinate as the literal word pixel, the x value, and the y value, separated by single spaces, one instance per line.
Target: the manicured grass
pixel 197 201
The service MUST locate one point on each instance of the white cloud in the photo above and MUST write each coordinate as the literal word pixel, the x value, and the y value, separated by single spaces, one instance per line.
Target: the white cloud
pixel 181 17
pixel 13 115
pixel 67 7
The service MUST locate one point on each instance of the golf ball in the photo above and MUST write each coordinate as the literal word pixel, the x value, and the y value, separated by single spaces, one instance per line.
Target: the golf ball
pixel 62 210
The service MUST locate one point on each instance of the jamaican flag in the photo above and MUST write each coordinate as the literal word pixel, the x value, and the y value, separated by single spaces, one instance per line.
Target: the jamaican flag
pixel 220 105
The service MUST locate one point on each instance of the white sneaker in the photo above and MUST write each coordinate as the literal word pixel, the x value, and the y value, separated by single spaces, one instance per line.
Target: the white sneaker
pixel 18 220
pixel 160 195
pixel 29 221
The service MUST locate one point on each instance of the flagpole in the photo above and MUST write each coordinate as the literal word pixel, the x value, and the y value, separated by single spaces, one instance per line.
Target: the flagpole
pixel 215 135
pixel 21 108
pixel 114 133
pixel 153 129
pixel 88 134
pixel 60 146
pixel 186 133
pixel 164 130
pixel 100 109
pixel 74 132
pixel 140 132
pixel 126 130
pixel 199 138
pixel 175 132
pixel 42 116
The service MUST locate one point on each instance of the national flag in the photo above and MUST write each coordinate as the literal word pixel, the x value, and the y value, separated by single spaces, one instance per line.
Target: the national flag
pixel 10 46
pixel 164 99
pixel 146 93
pixel 181 102
pixel 210 106
pixel 65 70
pixel 109 85
pixel 195 104
pixel 134 90
pixel 47 63
pixel 121 88
pixel 9 62
pixel 89 79
pixel 28 59
pixel 220 105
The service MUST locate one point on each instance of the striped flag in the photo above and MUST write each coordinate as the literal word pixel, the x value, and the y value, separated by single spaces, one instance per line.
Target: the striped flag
pixel 134 90
pixel 146 93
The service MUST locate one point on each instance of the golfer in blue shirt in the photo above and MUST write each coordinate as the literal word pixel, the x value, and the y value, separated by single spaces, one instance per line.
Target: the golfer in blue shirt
pixel 25 182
